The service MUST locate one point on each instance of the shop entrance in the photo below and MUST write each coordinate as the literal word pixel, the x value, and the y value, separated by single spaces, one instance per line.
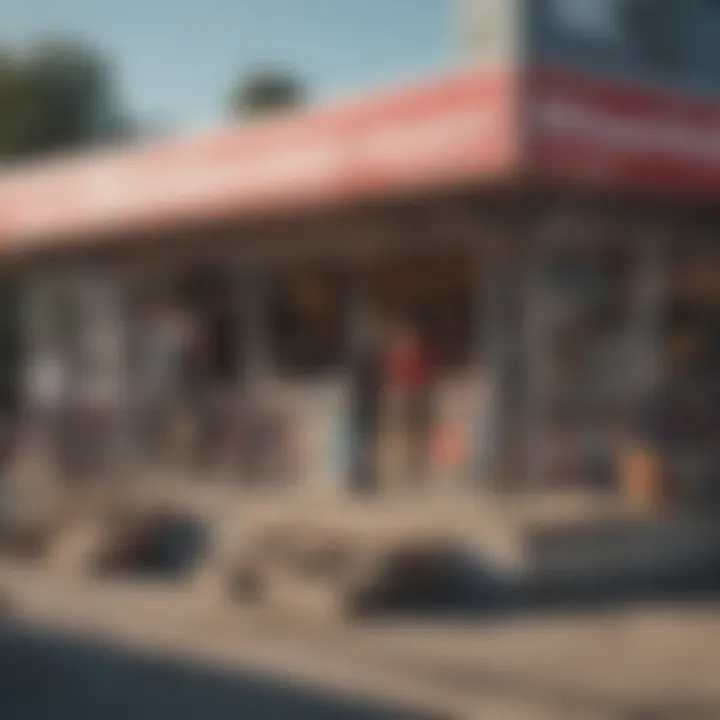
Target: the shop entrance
pixel 415 359
pixel 304 328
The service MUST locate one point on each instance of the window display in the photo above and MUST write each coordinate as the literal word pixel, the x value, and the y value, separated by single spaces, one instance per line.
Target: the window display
pixel 582 316
pixel 308 316
pixel 683 421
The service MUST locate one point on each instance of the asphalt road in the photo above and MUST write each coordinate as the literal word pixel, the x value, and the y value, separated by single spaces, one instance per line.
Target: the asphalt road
pixel 172 654
pixel 45 676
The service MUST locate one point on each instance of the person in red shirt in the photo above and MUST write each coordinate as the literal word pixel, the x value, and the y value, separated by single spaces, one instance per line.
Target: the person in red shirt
pixel 410 375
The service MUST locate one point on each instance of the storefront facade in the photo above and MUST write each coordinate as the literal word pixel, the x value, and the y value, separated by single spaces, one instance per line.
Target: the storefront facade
pixel 293 319
pixel 512 209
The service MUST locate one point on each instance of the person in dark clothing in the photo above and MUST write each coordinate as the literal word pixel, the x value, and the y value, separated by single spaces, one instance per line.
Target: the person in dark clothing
pixel 366 406
pixel 218 364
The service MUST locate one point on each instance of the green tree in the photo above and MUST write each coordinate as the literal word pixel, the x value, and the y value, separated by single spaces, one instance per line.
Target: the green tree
pixel 55 97
pixel 265 92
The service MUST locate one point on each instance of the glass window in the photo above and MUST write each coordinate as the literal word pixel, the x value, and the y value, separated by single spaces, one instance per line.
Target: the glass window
pixel 438 296
pixel 308 322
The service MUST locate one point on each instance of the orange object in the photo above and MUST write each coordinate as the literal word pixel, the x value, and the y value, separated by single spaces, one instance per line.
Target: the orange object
pixel 449 446
pixel 642 478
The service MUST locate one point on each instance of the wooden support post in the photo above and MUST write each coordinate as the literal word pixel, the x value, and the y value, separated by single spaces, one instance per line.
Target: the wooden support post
pixel 358 320
pixel 536 348
pixel 489 350
pixel 256 371
pixel 257 361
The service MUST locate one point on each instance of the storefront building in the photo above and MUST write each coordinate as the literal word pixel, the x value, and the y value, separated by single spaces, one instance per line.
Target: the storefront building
pixel 549 219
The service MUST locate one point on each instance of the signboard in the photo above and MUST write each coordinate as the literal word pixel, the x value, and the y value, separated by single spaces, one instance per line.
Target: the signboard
pixel 585 129
pixel 625 93
pixel 667 45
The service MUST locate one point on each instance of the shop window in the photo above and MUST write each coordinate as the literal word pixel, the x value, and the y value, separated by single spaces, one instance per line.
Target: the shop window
pixel 683 418
pixel 584 307
pixel 206 302
pixel 693 325
pixel 308 322
pixel 213 299
pixel 66 320
pixel 439 297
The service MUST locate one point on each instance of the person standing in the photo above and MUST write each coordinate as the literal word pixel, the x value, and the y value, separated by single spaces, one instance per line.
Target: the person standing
pixel 366 394
pixel 49 392
pixel 410 373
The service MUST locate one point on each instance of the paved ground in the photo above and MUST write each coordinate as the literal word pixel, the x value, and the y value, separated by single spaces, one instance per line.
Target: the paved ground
pixel 45 675
pixel 183 656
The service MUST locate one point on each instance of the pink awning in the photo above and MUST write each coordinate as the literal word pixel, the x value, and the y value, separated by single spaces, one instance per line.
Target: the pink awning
pixel 452 130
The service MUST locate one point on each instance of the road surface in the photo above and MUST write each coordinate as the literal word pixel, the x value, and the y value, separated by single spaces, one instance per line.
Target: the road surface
pixel 123 651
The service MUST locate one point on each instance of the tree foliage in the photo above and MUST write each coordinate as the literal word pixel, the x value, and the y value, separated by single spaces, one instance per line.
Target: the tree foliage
pixel 56 96
pixel 267 92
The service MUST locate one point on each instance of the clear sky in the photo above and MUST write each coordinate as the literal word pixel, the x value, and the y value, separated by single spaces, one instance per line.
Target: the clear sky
pixel 176 59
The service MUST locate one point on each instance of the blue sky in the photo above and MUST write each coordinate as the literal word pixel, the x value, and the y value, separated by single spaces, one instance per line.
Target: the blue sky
pixel 177 58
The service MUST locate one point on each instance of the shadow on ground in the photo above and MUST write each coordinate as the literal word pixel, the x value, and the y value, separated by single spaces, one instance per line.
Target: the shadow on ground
pixel 478 593
pixel 50 676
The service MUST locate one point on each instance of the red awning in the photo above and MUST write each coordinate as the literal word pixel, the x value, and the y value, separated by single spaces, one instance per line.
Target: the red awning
pixel 590 130
pixel 452 130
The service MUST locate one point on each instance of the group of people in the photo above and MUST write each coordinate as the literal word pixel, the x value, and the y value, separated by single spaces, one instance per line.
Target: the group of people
pixel 188 374
pixel 189 370
pixel 395 374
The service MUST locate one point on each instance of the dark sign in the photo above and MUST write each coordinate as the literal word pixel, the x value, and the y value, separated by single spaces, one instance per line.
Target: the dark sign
pixel 663 42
